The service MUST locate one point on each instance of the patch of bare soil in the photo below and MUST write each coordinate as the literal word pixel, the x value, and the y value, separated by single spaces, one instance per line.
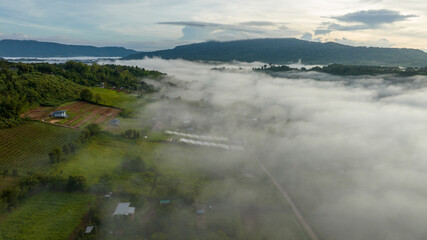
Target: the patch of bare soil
pixel 37 113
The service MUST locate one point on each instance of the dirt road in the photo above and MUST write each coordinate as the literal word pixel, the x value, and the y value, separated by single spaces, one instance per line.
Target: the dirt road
pixel 297 213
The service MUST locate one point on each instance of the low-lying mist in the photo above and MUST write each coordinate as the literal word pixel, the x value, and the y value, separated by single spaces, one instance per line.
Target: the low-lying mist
pixel 350 150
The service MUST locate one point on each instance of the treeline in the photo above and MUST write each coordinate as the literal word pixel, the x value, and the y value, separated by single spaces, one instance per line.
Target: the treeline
pixel 12 197
pixel 118 76
pixel 349 70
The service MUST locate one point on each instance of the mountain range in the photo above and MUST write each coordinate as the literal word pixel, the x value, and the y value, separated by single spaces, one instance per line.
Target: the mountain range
pixel 288 50
pixel 31 48
pixel 269 50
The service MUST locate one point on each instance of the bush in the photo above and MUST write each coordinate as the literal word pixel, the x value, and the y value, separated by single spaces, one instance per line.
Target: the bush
pixel 131 134
pixel 76 183
pixel 94 129
pixel 56 155
pixel 86 95
pixel 133 164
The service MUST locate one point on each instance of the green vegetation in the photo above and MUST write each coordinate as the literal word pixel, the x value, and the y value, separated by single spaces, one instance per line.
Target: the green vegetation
pixel 31 48
pixel 23 86
pixel 48 215
pixel 348 70
pixel 86 95
pixel 113 98
pixel 288 50
pixel 26 147
pixel 344 70
pixel 117 76
pixel 100 157
pixel 20 92
pixel 237 199
pixel 144 171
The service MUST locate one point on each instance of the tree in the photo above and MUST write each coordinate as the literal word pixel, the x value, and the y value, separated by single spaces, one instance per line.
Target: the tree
pixel 56 155
pixel 93 129
pixel 76 183
pixel 86 95
pixel 133 164
pixel 131 134
pixel 66 149
pixel 104 183
pixel 73 147
pixel 97 98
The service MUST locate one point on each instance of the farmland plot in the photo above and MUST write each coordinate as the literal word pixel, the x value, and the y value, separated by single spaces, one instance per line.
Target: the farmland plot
pixel 26 147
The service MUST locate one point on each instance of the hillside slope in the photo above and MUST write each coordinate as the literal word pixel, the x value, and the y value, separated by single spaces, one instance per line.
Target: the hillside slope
pixel 286 50
pixel 30 48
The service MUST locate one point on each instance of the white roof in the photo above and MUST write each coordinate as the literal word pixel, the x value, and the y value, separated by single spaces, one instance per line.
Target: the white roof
pixel 131 210
pixel 89 229
pixel 124 209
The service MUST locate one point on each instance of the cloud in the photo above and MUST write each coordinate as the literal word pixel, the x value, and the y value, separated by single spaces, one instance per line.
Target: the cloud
pixel 19 36
pixel 322 31
pixel 370 19
pixel 374 17
pixel 350 150
pixel 307 36
pixel 331 141
pixel 373 43
pixel 214 26
pixel 196 30
pixel 258 23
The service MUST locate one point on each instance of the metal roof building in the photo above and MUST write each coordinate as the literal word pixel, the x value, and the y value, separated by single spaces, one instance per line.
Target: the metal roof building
pixel 124 209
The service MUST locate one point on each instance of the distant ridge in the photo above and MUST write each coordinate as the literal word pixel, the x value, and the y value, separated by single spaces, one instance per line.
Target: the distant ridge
pixel 31 48
pixel 286 50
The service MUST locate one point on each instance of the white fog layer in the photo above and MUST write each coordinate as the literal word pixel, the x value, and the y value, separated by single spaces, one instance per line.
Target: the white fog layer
pixel 351 152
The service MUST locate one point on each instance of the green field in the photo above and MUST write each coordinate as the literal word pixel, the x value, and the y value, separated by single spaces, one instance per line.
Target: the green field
pixel 101 157
pixel 48 215
pixel 114 99
pixel 26 147
pixel 93 161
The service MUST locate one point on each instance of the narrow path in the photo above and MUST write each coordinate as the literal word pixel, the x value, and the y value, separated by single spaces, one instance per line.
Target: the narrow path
pixel 297 213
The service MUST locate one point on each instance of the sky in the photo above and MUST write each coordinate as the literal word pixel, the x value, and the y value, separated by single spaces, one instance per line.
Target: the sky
pixel 158 24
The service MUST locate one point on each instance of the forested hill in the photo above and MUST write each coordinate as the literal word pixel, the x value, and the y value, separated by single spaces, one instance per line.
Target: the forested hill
pixel 286 50
pixel 30 48
pixel 24 86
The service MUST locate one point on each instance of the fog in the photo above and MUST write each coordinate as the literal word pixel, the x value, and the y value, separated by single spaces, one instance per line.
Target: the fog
pixel 349 150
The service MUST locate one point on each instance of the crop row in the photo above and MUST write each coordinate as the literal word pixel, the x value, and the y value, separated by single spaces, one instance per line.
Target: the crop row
pixel 26 147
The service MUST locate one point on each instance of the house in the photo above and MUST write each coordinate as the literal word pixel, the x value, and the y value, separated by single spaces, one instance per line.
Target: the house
pixel 200 211
pixel 89 229
pixel 115 122
pixel 123 209
pixel 59 114
pixel 165 202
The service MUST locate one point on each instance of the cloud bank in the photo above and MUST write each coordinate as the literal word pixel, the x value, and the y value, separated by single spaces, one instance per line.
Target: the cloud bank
pixel 196 30
pixel 370 19
pixel 351 151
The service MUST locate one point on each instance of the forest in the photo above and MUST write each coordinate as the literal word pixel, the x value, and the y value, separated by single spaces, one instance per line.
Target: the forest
pixel 349 70
pixel 24 86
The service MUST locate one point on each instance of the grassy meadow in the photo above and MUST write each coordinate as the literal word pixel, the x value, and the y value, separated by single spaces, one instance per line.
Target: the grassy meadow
pixel 48 215
pixel 115 99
